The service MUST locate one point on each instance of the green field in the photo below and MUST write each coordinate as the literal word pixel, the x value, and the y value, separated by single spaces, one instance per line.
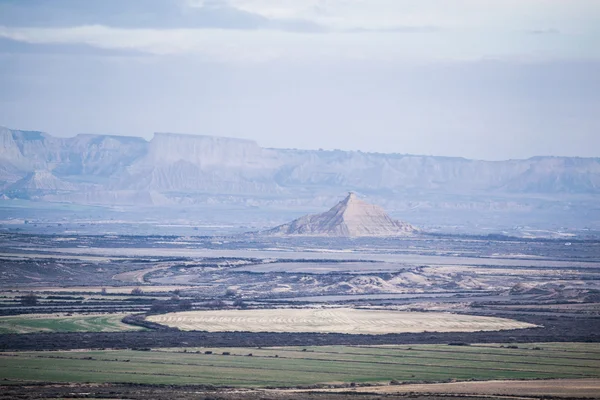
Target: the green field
pixel 64 323
pixel 291 366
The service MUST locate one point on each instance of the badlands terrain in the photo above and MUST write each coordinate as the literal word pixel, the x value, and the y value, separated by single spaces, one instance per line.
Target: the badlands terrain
pixel 202 267
pixel 231 317
pixel 360 317
pixel 190 184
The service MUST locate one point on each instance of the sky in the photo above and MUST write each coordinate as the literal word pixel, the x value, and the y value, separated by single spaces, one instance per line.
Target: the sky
pixel 484 79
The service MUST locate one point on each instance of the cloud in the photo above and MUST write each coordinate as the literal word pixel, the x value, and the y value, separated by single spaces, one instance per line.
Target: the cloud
pixel 12 47
pixel 568 16
pixel 573 16
pixel 548 31
pixel 262 45
pixel 264 30
pixel 150 14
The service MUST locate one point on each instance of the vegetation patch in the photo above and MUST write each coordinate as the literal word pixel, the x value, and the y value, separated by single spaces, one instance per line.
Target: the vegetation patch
pixel 304 366
pixel 65 323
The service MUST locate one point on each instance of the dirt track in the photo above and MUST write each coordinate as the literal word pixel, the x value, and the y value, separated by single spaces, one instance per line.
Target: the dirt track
pixel 137 276
pixel 553 387
pixel 490 390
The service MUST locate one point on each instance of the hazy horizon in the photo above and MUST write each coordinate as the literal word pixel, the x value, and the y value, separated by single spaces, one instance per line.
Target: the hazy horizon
pixel 492 81
pixel 148 138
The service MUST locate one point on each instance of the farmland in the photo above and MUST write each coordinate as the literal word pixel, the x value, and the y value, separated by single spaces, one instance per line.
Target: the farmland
pixel 332 320
pixel 64 323
pixel 252 313
pixel 302 366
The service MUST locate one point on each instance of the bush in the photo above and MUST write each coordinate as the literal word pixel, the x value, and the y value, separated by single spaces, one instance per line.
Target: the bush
pixel 174 304
pixel 240 304
pixel 137 290
pixel 216 304
pixel 29 300
pixel 185 305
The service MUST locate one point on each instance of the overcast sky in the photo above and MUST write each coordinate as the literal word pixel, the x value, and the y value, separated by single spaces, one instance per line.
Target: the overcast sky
pixel 486 79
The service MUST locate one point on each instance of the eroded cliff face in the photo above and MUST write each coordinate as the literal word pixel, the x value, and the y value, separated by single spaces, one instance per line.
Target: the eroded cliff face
pixel 187 163
pixel 86 156
pixel 176 169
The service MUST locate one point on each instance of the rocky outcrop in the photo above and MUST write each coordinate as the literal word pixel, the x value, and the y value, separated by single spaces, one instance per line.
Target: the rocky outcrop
pixel 40 181
pixel 351 217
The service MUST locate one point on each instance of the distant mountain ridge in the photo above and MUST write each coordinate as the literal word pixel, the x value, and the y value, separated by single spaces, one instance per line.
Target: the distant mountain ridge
pixel 176 168
pixel 351 217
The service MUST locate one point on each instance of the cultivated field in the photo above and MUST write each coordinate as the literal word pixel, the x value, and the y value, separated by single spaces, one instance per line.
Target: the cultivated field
pixel 332 320
pixel 293 366
pixel 64 323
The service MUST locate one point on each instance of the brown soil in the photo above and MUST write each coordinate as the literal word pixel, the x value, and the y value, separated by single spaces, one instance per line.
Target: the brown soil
pixel 136 392
pixel 553 387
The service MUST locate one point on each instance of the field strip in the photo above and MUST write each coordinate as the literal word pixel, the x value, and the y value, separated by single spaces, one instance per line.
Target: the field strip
pixel 503 360
pixel 580 388
pixel 482 358
pixel 547 347
pixel 332 320
pixel 521 351
pixel 346 374
pixel 204 375
pixel 230 360
pixel 539 354
pixel 280 367
pixel 212 365
pixel 30 323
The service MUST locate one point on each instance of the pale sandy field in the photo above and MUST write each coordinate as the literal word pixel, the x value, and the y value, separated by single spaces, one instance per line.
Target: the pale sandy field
pixel 332 320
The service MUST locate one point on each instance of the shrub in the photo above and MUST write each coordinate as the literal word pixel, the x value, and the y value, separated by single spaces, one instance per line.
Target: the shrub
pixel 137 290
pixel 240 304
pixel 185 305
pixel 29 300
pixel 216 304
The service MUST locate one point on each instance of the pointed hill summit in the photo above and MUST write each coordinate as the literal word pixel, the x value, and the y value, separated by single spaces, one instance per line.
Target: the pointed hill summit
pixel 40 180
pixel 351 217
